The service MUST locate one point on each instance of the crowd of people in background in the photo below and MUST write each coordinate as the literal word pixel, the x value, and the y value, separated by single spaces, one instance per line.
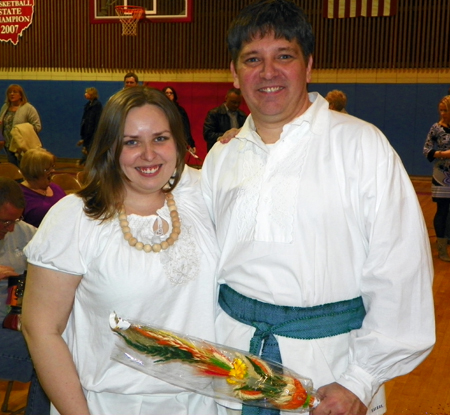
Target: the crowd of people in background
pixel 225 118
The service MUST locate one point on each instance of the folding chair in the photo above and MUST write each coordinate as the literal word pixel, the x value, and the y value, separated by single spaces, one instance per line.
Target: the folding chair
pixel 6 401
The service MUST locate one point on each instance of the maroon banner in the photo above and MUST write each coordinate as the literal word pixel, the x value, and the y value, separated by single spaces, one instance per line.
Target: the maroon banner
pixel 334 9
pixel 15 17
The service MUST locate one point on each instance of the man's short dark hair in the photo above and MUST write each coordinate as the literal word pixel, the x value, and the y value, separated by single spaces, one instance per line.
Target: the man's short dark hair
pixel 10 192
pixel 131 75
pixel 281 17
pixel 236 91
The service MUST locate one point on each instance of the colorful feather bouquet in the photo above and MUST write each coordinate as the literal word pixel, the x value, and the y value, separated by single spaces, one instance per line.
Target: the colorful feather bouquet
pixel 210 369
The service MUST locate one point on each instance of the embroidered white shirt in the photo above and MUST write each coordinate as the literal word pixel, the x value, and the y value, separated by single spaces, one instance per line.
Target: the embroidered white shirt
pixel 326 214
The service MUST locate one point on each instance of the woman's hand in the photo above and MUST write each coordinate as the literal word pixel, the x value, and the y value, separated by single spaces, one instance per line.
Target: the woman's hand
pixel 229 135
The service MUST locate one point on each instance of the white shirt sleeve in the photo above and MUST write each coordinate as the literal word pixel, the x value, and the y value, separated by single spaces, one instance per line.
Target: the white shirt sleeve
pixel 62 240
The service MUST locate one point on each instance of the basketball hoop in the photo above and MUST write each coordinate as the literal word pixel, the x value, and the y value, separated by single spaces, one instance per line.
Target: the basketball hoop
pixel 129 17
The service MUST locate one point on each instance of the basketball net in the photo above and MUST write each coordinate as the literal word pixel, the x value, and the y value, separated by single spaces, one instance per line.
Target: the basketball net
pixel 129 17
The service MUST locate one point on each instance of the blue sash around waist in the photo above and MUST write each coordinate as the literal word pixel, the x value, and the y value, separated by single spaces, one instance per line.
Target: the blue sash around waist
pixel 294 322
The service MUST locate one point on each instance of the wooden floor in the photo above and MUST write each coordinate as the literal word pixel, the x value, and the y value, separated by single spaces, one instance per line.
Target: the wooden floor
pixel 425 391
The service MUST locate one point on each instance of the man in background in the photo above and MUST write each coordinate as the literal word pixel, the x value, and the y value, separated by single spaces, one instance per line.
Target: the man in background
pixel 15 361
pixel 130 79
pixel 325 259
pixel 223 118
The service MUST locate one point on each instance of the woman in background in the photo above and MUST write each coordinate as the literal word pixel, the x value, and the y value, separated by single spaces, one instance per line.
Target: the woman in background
pixel 437 151
pixel 337 101
pixel 89 121
pixel 170 93
pixel 37 167
pixel 16 110
pixel 137 240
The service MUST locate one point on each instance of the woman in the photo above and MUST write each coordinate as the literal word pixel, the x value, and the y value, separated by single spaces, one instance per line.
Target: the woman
pixel 16 110
pixel 337 101
pixel 89 121
pixel 437 150
pixel 37 167
pixel 118 245
pixel 172 95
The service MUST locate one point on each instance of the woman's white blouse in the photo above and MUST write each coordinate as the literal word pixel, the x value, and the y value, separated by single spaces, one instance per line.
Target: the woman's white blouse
pixel 175 289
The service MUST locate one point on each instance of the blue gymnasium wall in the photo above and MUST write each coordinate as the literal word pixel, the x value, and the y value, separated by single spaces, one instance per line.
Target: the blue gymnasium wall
pixel 404 112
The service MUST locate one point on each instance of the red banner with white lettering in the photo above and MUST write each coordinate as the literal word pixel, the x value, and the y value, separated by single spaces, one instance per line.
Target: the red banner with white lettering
pixel 334 9
pixel 15 17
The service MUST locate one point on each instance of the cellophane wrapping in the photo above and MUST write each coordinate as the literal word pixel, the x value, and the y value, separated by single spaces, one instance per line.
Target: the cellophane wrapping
pixel 210 369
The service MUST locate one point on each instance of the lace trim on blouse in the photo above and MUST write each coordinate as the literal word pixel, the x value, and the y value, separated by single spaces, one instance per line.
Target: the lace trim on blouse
pixel 181 262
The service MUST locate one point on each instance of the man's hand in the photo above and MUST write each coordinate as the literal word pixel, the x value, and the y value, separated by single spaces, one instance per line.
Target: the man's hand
pixel 6 272
pixel 228 135
pixel 337 400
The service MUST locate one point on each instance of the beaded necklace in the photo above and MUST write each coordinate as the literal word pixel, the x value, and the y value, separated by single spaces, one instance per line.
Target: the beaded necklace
pixel 140 246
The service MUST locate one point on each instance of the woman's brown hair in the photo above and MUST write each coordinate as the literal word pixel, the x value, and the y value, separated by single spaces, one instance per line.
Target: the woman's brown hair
pixel 34 163
pixel 104 192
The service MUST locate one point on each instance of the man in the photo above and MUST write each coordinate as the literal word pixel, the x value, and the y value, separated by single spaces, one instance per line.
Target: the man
pixel 91 116
pixel 223 118
pixel 15 361
pixel 337 101
pixel 325 256
pixel 130 79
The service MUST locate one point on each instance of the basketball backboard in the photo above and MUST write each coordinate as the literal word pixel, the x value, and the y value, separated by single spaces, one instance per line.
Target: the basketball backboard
pixel 103 11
